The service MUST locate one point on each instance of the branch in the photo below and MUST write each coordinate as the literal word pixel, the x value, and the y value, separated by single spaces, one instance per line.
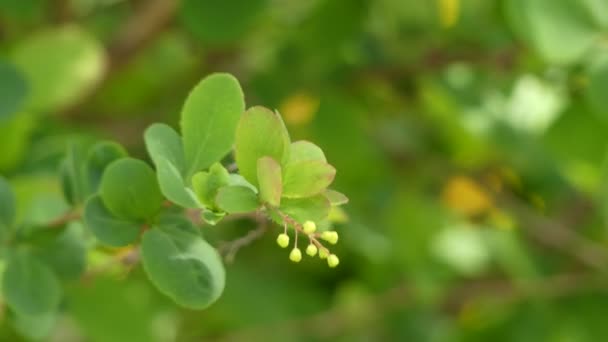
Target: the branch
pixel 231 248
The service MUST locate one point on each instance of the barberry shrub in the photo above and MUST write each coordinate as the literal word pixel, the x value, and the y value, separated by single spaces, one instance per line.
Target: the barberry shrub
pixel 157 210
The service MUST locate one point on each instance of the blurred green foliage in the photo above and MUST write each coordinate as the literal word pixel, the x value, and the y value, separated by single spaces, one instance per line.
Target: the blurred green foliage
pixel 469 135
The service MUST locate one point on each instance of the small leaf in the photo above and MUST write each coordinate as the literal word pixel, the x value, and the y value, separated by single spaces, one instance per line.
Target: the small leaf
pixel 7 205
pixel 172 185
pixel 73 175
pixel 13 90
pixel 303 150
pixel 65 254
pixel 110 230
pixel 129 189
pixel 209 119
pixel 271 181
pixel 307 178
pixel 165 148
pixel 35 327
pixel 212 217
pixel 164 142
pixel 182 265
pixel 99 157
pixel 237 200
pixel 236 179
pixel 206 184
pixel 335 198
pixel 314 208
pixel 29 287
pixel 260 133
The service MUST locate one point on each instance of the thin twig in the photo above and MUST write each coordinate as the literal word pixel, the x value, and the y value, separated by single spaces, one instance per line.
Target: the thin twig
pixel 65 219
pixel 231 248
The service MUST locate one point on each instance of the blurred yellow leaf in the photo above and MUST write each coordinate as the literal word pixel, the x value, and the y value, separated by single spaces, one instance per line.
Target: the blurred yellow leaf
pixel 465 196
pixel 299 108
pixel 449 10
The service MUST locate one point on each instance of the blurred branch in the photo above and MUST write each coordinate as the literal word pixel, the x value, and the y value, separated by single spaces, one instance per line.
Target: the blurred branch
pixel 333 322
pixel 558 233
pixel 140 29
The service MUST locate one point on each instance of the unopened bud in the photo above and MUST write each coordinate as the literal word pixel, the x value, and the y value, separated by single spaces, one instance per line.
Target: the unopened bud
pixel 311 250
pixel 333 261
pixel 309 227
pixel 295 255
pixel 283 240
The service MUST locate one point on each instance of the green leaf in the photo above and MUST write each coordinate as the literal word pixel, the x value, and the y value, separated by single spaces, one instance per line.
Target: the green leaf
pixel 165 148
pixel 271 181
pixel 260 133
pixel 29 287
pixel 209 119
pixel 16 133
pixel 173 187
pixel 237 200
pixel 314 208
pixel 206 184
pixel 35 327
pixel 182 265
pixel 596 90
pixel 65 254
pixel 335 198
pixel 73 175
pixel 13 90
pixel 238 180
pixel 162 141
pixel 7 204
pixel 303 150
pixel 212 217
pixel 60 66
pixel 108 229
pixel 559 30
pixel 99 157
pixel 129 190
pixel 307 178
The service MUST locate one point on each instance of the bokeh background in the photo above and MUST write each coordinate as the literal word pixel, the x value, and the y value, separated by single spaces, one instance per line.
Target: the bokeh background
pixel 470 136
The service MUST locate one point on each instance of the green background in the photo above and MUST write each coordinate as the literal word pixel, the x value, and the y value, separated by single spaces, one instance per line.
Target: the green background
pixel 469 135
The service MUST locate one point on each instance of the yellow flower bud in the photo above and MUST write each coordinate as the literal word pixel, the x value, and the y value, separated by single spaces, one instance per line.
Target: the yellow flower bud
pixel 309 227
pixel 330 236
pixel 333 261
pixel 323 253
pixel 283 240
pixel 311 250
pixel 295 255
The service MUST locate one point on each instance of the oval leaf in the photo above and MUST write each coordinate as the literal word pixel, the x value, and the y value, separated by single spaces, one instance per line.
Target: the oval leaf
pixel 13 90
pixel 99 157
pixel 206 184
pixel 163 141
pixel 260 133
pixel 307 178
pixel 271 181
pixel 237 200
pixel 129 189
pixel 304 151
pixel 182 265
pixel 335 198
pixel 29 286
pixel 314 208
pixel 209 119
pixel 110 230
